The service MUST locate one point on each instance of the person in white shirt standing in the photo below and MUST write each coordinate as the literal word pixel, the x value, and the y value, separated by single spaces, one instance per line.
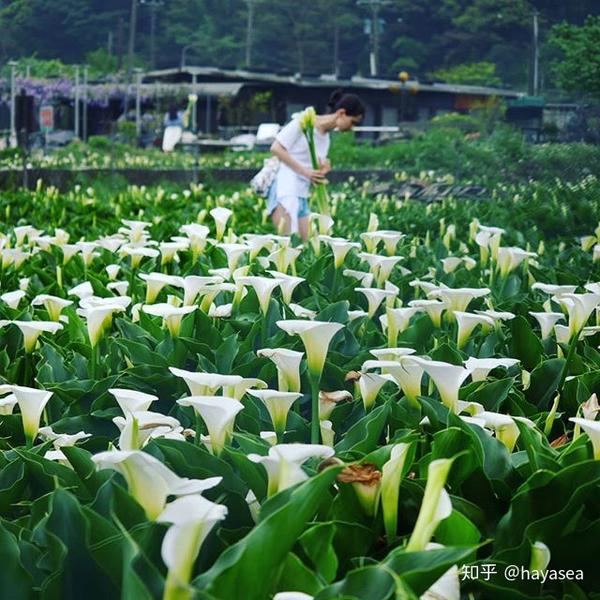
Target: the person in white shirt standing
pixel 288 196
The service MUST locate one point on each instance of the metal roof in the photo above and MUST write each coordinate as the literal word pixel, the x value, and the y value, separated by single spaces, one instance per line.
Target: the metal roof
pixel 357 82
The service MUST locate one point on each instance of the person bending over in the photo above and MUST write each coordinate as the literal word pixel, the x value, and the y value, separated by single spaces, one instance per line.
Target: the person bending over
pixel 288 196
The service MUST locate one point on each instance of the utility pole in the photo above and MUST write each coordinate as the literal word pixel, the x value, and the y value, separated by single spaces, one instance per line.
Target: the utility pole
pixel 336 48
pixel 13 104
pixel 120 42
pixel 85 102
pixel 138 101
pixel 250 31
pixel 153 5
pixel 132 28
pixel 536 54
pixel 375 6
pixel 76 128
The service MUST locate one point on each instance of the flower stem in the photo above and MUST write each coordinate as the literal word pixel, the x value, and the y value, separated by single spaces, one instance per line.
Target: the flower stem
pixel 94 362
pixel 197 437
pixel 315 430
pixel 565 371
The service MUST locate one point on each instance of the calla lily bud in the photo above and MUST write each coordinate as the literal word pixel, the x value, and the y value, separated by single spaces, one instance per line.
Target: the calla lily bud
pixel 540 557
pixel 390 484
pixel 327 433
pixel 366 481
pixel 436 505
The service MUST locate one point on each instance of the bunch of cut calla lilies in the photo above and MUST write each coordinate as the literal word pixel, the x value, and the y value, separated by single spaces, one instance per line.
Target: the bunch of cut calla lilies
pixel 224 413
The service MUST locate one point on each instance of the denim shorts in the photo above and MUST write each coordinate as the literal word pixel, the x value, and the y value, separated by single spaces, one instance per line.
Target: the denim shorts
pixel 303 210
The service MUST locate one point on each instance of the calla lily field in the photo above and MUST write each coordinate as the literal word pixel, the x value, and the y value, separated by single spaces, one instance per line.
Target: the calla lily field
pixel 195 406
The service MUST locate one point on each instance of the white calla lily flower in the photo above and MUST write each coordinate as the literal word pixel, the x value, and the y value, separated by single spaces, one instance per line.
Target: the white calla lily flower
pixel 592 428
pixel 504 427
pixel 467 322
pixel 218 413
pixel 7 403
pixel 192 518
pixel 288 367
pixel 375 297
pixel 149 481
pixel 83 290
pixel 283 463
pixel 98 320
pixel 13 299
pixel 391 353
pixel 554 290
pixel 447 587
pixel 458 299
pixel 340 249
pixel 447 379
pixel 32 330
pixel 327 433
pixel 579 307
pixel 480 367
pixel 369 385
pixel 329 400
pixel 238 390
pixel 509 258
pixel 138 427
pixel 278 405
pixel 62 440
pixel 547 321
pixel 194 284
pixel 171 315
pixel 263 287
pixel 287 283
pixel 53 305
pixel 397 320
pixel 31 403
pixel 451 263
pixel 433 308
pixel 137 253
pixel 221 215
pixel 205 384
pixel 112 271
pixel 234 253
pixel 155 282
pixel 316 336
pixel 132 400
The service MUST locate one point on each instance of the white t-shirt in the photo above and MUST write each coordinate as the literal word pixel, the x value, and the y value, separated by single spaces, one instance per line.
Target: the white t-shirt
pixel 291 137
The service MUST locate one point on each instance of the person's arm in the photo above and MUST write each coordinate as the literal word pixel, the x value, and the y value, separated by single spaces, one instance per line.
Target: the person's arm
pixel 279 150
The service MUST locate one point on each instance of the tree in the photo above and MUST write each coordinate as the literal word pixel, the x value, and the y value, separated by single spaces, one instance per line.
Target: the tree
pixel 580 67
pixel 479 73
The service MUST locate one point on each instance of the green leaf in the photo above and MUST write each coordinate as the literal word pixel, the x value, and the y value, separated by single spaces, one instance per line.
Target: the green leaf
pixel 364 436
pixel 525 345
pixel 317 543
pixel 283 519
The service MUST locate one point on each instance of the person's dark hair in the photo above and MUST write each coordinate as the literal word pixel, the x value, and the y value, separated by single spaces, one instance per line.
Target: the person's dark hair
pixel 351 103
pixel 173 112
